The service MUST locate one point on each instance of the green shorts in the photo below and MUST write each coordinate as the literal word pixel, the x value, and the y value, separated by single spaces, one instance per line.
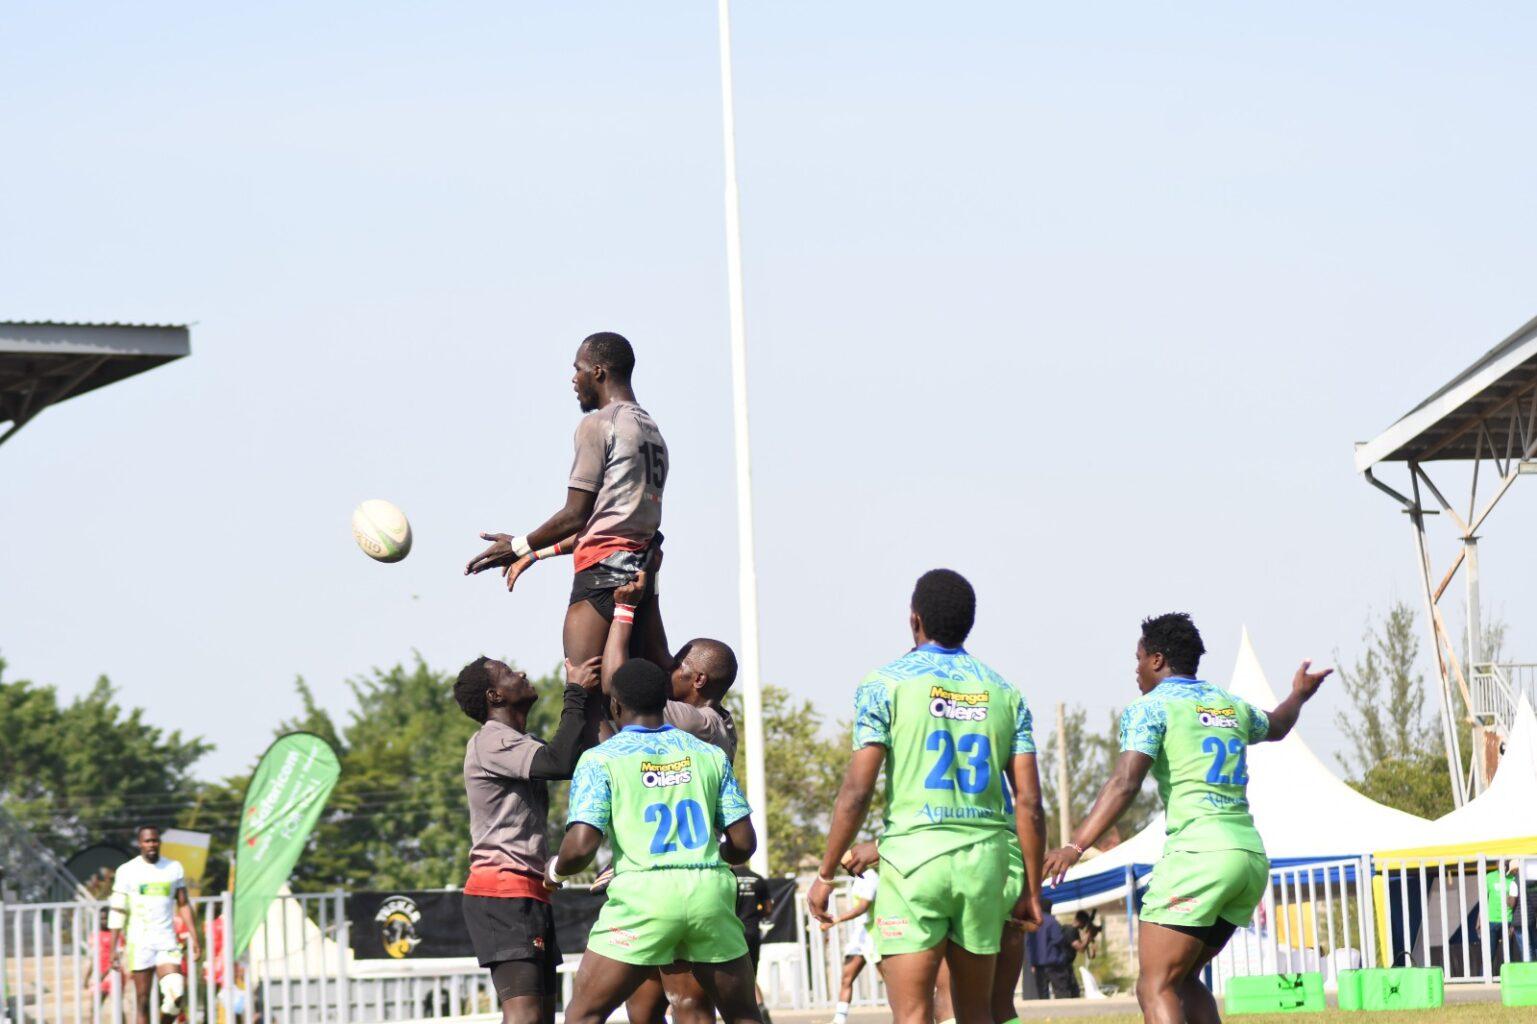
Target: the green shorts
pixel 1196 889
pixel 954 896
pixel 654 918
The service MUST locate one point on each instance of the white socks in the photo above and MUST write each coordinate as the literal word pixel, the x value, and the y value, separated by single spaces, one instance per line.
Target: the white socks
pixel 841 1016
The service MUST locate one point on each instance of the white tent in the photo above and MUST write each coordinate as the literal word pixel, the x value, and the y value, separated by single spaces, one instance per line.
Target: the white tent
pixel 1507 809
pixel 1302 809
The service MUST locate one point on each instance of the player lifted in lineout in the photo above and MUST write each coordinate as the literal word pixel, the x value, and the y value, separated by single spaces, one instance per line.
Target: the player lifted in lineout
pixel 613 502
pixel 949 729
pixel 148 894
pixel 698 677
pixel 1195 738
pixel 674 816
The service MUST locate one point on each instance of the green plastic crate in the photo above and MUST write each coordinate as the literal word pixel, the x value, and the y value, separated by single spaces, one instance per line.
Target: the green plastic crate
pixel 1276 993
pixel 1518 984
pixel 1392 988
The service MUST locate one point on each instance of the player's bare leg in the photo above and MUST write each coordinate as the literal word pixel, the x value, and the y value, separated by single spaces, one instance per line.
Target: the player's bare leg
pixel 690 1003
pixel 143 983
pixel 601 986
pixel 971 984
pixel 944 1010
pixel 910 981
pixel 583 633
pixel 649 1003
pixel 1195 998
pixel 851 968
pixel 732 987
pixel 1006 971
pixel 1165 960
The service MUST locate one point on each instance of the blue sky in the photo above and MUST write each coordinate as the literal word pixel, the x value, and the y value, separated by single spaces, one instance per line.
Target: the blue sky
pixel 1088 302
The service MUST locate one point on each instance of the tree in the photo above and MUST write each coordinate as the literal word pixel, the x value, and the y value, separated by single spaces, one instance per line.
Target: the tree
pixel 1395 754
pixel 1090 758
pixel 804 769
pixel 90 770
pixel 1386 720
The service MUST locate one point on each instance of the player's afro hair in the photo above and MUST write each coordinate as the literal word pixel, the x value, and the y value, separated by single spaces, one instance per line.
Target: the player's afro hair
pixel 471 686
pixel 946 605
pixel 612 352
pixel 640 687
pixel 1174 636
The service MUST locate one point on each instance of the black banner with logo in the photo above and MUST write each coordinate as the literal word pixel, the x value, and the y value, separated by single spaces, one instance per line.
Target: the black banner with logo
pixel 407 925
pixel 425 924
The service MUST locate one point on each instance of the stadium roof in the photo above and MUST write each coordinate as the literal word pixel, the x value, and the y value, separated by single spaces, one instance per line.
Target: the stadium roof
pixel 1444 426
pixel 42 363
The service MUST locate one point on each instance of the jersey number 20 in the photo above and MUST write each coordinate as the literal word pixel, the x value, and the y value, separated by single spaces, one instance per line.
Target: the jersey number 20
pixel 692 830
pixel 974 776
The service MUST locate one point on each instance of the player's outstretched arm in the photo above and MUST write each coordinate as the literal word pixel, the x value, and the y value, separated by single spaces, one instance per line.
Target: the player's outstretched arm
pixel 1115 796
pixel 557 759
pixel 1304 685
pixel 506 549
pixel 738 842
pixel 849 812
pixel 518 568
pixel 1030 825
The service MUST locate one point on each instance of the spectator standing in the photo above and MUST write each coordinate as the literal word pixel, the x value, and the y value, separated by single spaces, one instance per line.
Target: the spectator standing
pixel 1051 958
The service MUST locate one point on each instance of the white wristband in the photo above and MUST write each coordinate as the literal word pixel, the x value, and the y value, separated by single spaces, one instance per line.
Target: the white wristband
pixel 549 870
pixel 520 545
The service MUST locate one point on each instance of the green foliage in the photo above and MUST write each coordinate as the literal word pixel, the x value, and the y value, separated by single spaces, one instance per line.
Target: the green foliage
pixel 398 817
pixel 1416 784
pixel 89 771
pixel 1090 757
pixel 804 769
pixel 1387 719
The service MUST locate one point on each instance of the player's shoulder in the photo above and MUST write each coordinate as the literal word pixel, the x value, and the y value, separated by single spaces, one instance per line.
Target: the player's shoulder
pixel 692 745
pixel 985 673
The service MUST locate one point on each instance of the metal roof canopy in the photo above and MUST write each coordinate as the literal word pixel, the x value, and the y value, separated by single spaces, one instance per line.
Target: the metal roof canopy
pixel 1446 425
pixel 1488 412
pixel 42 363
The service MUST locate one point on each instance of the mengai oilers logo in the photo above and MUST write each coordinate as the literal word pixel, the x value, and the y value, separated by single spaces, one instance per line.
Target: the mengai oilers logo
pixel 397 919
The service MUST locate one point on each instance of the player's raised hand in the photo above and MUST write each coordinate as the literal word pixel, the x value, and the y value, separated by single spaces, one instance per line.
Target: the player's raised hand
pixel 1305 683
pixel 518 568
pixel 495 556
pixel 588 675
pixel 634 591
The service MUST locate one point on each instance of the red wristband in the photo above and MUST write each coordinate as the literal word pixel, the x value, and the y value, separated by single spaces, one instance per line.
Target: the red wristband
pixel 624 613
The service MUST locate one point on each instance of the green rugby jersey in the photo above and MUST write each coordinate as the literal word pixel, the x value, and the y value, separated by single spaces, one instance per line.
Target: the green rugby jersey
pixel 950 725
pixel 660 795
pixel 1198 737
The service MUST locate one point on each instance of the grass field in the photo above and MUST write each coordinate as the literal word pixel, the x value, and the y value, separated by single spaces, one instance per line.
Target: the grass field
pixel 1467 1013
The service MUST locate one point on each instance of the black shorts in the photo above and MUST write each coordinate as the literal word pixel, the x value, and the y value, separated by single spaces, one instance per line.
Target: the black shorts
pixel 596 583
pixel 506 928
pixel 1212 936
pixel 754 946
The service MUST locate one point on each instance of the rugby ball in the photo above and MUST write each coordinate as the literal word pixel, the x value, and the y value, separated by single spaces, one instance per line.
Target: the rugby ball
pixel 381 530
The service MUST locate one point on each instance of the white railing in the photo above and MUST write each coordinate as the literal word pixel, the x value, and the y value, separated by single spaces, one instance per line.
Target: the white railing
pixel 1442 913
pixel 1313 917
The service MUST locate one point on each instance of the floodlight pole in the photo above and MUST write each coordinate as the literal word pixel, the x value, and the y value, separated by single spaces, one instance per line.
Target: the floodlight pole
pixel 747 571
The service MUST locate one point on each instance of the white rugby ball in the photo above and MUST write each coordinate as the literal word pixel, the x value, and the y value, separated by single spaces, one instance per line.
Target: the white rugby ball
pixel 381 530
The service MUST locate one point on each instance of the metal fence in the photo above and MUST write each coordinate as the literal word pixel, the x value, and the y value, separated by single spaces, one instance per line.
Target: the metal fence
pixel 1465 915
pixel 1313 917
